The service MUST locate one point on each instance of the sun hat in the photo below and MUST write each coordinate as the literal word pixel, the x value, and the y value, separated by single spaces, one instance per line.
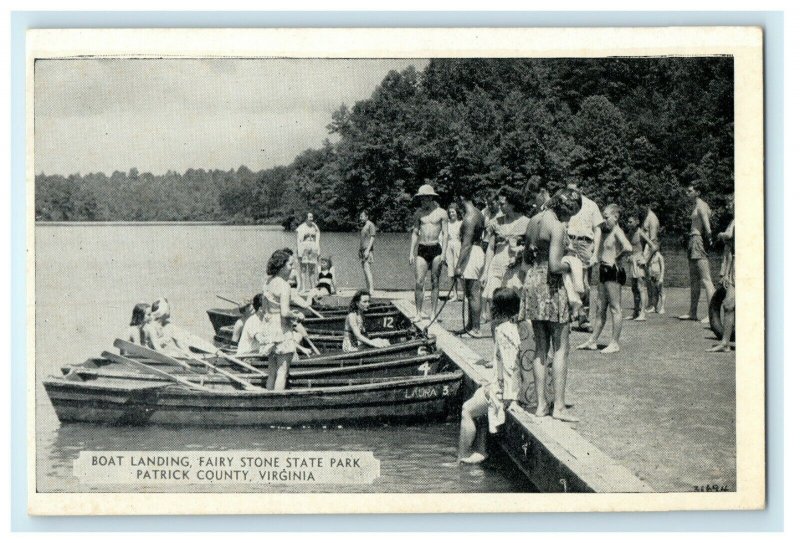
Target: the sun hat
pixel 426 190
pixel 163 309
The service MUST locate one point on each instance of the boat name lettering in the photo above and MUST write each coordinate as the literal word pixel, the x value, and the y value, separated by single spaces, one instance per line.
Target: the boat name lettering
pixel 421 392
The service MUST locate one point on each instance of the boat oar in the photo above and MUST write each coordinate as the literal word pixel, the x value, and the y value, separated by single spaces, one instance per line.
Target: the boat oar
pixel 204 346
pixel 303 332
pixel 238 304
pixel 123 360
pixel 144 352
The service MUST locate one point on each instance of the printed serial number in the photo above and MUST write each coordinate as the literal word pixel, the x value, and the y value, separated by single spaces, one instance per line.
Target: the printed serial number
pixel 711 488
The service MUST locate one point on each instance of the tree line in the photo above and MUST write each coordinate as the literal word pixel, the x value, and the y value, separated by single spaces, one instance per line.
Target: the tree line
pixel 632 131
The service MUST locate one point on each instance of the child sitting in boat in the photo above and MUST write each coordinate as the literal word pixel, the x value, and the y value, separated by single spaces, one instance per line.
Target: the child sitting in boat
pixel 355 336
pixel 161 335
pixel 493 398
pixel 139 318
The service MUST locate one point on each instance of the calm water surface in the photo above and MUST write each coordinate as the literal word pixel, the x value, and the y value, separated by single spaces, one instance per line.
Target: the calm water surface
pixel 88 278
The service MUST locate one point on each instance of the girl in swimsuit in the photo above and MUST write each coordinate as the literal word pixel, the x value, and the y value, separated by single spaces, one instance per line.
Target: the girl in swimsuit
pixel 355 335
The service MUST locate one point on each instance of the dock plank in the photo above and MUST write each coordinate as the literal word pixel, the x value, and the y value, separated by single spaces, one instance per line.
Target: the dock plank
pixel 553 456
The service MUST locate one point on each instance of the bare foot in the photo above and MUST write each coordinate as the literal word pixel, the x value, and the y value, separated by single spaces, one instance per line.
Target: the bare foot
pixel 687 318
pixel 721 348
pixel 612 347
pixel 474 458
pixel 562 414
pixel 587 346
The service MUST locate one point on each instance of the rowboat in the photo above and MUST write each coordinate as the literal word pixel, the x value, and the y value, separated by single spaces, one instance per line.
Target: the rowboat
pixel 414 358
pixel 133 401
pixel 328 341
pixel 377 319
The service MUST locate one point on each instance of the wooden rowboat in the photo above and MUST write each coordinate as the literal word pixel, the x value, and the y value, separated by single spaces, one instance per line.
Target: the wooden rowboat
pixel 299 374
pixel 330 341
pixel 380 318
pixel 135 402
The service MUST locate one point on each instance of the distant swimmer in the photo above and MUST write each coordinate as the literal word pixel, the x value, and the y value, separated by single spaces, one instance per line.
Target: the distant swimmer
pixel 430 226
pixel 699 269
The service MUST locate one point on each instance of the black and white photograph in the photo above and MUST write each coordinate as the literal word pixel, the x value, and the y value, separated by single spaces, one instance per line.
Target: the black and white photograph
pixel 470 270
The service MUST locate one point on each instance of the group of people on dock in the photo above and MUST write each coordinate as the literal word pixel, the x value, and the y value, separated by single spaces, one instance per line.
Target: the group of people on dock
pixel 542 281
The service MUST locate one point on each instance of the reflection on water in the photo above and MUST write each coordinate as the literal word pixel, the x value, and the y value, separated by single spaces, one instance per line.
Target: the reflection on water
pixel 88 277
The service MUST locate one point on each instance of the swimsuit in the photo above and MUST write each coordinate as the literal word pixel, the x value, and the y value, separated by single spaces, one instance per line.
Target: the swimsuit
pixel 429 252
pixel 325 281
pixel 612 273
pixel 350 342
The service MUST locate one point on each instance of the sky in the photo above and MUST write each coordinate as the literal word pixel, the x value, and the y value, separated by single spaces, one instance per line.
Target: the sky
pixel 101 115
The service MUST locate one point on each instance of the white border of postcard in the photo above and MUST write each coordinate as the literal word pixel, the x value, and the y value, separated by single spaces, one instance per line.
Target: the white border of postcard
pixel 744 43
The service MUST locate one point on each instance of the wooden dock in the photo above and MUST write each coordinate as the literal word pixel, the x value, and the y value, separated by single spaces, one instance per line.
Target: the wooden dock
pixel 553 456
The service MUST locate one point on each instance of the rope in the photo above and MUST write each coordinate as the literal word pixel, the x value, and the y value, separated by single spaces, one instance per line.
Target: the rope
pixel 447 299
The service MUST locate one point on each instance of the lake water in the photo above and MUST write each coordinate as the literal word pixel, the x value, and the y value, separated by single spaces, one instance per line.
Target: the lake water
pixel 88 278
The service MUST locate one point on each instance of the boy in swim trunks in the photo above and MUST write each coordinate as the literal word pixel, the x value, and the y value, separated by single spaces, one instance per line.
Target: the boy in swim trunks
pixel 430 226
pixel 613 246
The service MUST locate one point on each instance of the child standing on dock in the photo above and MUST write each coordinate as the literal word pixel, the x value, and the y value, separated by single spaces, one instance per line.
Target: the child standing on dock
pixel 493 398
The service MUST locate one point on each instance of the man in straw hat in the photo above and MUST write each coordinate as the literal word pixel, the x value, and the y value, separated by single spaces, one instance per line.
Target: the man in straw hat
pixel 428 236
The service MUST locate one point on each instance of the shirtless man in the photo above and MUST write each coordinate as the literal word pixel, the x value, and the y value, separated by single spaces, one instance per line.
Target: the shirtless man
pixel 428 236
pixel 470 262
pixel 699 270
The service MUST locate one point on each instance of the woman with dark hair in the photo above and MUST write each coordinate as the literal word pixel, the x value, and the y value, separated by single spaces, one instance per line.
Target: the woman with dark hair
pixel 139 318
pixel 355 335
pixel 545 301
pixel 278 340
pixel 505 235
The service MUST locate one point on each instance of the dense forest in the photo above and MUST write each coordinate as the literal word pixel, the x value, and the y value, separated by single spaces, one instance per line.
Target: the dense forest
pixel 630 130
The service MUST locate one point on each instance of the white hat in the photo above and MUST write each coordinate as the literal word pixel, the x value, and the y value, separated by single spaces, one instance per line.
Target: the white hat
pixel 162 311
pixel 426 190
